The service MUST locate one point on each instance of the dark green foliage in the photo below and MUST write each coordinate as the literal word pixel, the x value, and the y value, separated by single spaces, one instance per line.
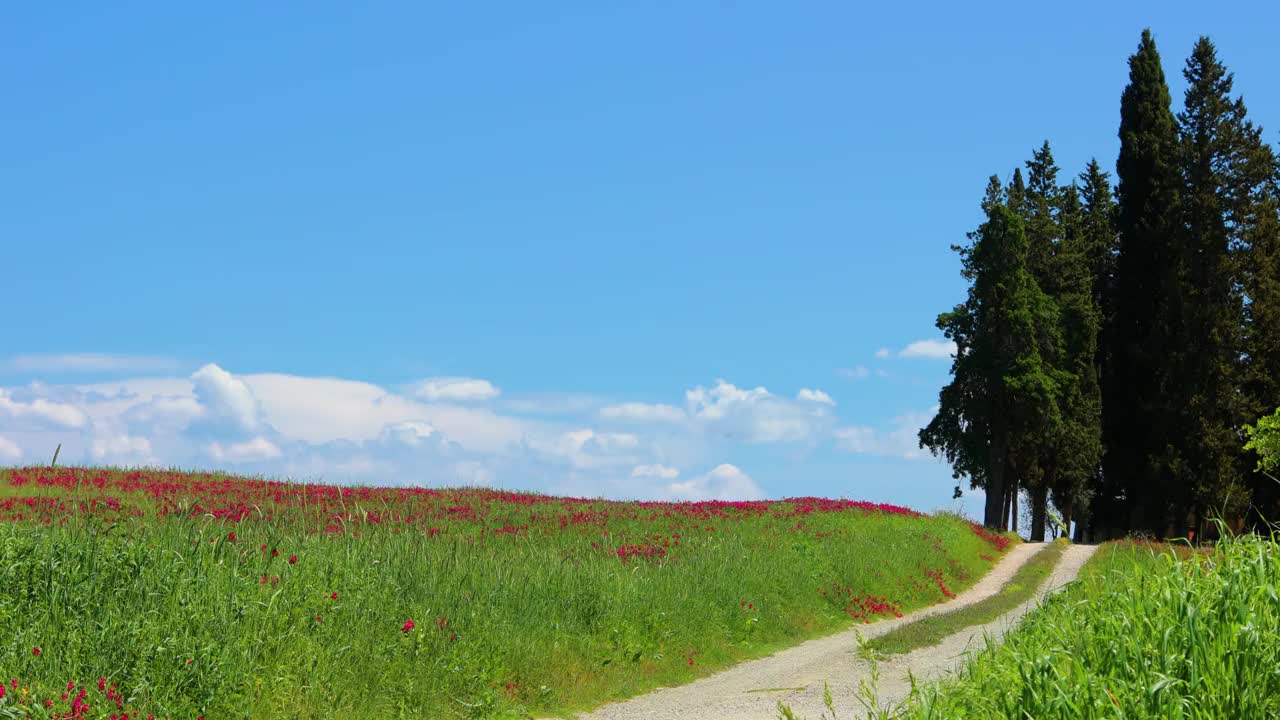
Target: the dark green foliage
pixel 1152 333
pixel 1003 396
pixel 1142 452
pixel 1212 128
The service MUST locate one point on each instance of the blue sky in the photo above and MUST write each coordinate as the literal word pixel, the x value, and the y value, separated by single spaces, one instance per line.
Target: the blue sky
pixel 578 247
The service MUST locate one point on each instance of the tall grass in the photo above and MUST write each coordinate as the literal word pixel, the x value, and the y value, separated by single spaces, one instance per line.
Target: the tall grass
pixel 1146 633
pixel 431 604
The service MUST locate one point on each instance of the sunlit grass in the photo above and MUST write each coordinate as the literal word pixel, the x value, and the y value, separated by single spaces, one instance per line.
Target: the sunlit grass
pixel 519 604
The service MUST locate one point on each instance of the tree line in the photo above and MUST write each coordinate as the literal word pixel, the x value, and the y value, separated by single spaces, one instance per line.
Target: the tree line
pixel 1116 341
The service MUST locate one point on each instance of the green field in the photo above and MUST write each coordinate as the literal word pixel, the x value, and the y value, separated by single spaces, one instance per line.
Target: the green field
pixel 187 595
pixel 1149 631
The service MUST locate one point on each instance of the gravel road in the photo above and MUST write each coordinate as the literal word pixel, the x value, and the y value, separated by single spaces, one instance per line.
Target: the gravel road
pixel 796 675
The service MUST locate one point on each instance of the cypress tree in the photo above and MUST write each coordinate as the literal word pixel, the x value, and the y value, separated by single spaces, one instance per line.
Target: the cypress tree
pixel 1213 132
pixel 1077 448
pixel 1101 244
pixel 1002 399
pixel 1144 325
pixel 1256 215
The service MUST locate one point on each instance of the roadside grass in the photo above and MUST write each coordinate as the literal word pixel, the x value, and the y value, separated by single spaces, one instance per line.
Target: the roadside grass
pixel 932 630
pixel 185 595
pixel 1149 631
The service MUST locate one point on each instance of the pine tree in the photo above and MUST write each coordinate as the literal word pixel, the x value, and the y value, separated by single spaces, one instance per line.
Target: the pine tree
pixel 1002 398
pixel 1141 456
pixel 1213 131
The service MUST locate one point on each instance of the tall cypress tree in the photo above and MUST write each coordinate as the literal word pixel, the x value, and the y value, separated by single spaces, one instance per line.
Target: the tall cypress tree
pixel 1101 245
pixel 1256 216
pixel 1213 132
pixel 1078 446
pixel 1141 455
pixel 1002 399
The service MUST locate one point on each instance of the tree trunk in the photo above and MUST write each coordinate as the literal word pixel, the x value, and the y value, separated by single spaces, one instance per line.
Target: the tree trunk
pixel 995 487
pixel 1004 510
pixel 1039 509
pixel 1013 501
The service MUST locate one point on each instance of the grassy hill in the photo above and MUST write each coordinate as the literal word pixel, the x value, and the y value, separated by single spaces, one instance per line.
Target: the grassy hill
pixel 182 595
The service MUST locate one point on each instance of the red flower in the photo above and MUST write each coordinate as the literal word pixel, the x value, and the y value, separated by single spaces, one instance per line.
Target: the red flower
pixel 293 559
pixel 102 683
pixel 1 691
pixel 408 625
pixel 231 536
pixel 35 651
pixel 275 552
pixel 263 548
pixel 333 596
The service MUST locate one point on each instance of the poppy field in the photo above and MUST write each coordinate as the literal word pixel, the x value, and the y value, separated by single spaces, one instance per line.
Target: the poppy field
pixel 164 594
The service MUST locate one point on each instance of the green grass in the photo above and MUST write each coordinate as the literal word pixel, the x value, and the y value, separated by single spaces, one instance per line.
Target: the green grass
pixel 931 630
pixel 1149 631
pixel 521 605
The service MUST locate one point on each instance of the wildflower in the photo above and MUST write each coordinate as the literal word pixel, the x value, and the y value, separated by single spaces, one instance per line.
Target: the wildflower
pixel 231 536
pixel 263 548
pixel 333 596
pixel 35 651
pixel 102 683
pixel 275 552
pixel 293 559
pixel 408 625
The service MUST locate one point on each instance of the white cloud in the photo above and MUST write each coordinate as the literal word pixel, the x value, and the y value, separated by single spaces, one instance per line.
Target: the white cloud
pixel 259 448
pixel 585 448
pixel 40 412
pixel 88 362
pixel 227 398
pixel 859 372
pixel 121 449
pixel 725 482
pixel 321 410
pixel 661 472
pixel 883 353
pixel 457 389
pixel 816 396
pixel 936 349
pixel 9 450
pixel 755 415
pixel 643 412
pixel 900 439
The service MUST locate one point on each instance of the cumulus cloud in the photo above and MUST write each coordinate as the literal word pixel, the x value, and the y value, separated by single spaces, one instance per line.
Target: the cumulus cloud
pixel 455 389
pixel 755 415
pixel 227 398
pixel 933 349
pixel 725 482
pixel 88 363
pixel 662 472
pixel 118 448
pixel 643 412
pixel 9 450
pixel 816 396
pixel 40 412
pixel 899 439
pixel 258 448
